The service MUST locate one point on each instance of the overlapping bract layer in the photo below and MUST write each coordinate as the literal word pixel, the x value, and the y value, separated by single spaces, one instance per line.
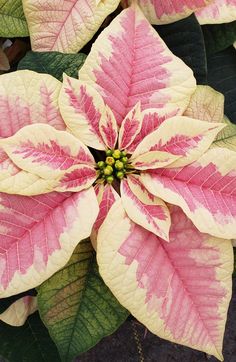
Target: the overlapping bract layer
pixel 163 153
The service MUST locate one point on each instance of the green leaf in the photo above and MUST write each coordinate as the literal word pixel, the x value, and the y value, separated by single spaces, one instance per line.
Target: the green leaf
pixel 227 137
pixel 28 343
pixel 53 63
pixel 77 307
pixel 12 19
pixel 222 77
pixel 185 40
pixel 219 36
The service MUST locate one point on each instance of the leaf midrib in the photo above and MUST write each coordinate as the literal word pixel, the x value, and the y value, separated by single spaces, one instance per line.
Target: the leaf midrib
pixel 88 271
pixel 190 297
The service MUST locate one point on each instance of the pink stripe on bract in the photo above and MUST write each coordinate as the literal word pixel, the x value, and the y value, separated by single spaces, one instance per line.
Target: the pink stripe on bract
pixel 153 160
pixel 17 113
pixel 108 129
pixel 132 62
pixel 78 178
pixel 145 211
pixel 109 196
pixel 178 144
pixel 23 223
pixel 82 103
pixel 217 12
pixel 136 181
pixel 53 154
pixel 130 127
pixel 153 210
pixel 202 187
pixel 151 120
pixel 179 278
pixel 49 112
pixel 174 6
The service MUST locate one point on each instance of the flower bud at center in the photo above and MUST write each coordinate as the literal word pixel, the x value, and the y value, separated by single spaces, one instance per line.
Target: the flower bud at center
pixel 108 170
pixel 110 161
pixel 119 165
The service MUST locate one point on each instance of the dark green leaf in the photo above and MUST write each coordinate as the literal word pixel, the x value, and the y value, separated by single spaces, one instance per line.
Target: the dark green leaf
pixel 29 343
pixel 222 77
pixel 185 40
pixel 219 36
pixel 53 63
pixel 76 305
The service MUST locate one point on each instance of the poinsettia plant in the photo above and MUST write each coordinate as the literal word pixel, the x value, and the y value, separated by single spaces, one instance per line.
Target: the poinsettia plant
pixel 117 186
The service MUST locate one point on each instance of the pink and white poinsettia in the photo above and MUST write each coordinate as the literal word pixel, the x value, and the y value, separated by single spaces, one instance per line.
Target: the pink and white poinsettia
pixel 169 265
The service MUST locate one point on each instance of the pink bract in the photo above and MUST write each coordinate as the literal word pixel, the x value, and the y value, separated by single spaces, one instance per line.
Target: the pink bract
pixel 165 12
pixel 217 12
pixel 207 11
